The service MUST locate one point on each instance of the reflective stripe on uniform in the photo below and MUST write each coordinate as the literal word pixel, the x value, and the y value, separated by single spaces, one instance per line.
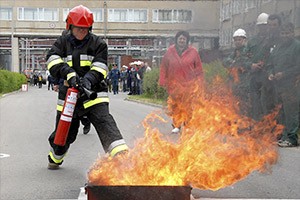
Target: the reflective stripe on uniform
pixel 100 67
pixel 84 63
pixel 90 103
pixel 59 108
pixel 68 60
pixel 84 57
pixel 70 75
pixel 70 63
pixel 56 158
pixel 118 149
pixel 102 94
pixel 115 144
pixel 60 104
pixel 54 60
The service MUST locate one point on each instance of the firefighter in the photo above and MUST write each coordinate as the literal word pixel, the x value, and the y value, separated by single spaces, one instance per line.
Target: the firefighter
pixel 80 57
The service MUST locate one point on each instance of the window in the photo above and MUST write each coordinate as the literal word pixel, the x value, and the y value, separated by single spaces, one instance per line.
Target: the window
pixel 225 12
pixel 117 15
pixel 127 15
pixel 266 1
pixel 5 13
pixel 251 4
pixel 98 14
pixel 225 37
pixel 172 16
pixel 49 14
pixel 238 6
pixel 65 13
pixel 38 14
pixel 137 15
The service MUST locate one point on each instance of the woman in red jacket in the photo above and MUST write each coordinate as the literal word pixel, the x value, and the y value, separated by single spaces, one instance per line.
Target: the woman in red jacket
pixel 181 65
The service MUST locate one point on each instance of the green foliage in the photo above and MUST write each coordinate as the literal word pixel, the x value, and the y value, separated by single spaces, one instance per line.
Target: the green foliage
pixel 214 69
pixel 153 90
pixel 150 85
pixel 11 81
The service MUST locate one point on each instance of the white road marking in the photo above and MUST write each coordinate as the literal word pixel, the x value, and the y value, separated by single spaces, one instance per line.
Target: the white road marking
pixel 82 195
pixel 3 155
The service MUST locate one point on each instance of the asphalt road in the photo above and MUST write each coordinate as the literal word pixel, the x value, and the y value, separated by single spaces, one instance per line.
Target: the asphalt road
pixel 27 119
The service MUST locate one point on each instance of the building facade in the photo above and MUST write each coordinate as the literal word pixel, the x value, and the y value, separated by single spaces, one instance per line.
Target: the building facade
pixel 236 14
pixel 140 29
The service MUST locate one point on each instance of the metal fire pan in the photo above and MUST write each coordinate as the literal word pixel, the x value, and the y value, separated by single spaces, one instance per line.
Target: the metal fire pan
pixel 138 192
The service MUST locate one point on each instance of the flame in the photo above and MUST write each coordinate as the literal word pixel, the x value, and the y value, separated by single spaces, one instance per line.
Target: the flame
pixel 217 147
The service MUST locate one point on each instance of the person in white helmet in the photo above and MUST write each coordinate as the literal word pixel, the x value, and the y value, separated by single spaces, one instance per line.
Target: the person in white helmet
pixel 238 65
pixel 258 50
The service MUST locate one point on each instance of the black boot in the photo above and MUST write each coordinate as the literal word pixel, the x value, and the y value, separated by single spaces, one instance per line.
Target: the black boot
pixel 86 129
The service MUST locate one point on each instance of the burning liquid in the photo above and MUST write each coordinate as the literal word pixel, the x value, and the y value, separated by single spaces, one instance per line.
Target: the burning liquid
pixel 217 147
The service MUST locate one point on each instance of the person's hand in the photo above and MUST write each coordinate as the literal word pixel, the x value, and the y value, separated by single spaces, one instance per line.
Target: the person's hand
pixel 86 83
pixel 271 77
pixel 55 88
pixel 256 66
pixel 72 79
pixel 278 75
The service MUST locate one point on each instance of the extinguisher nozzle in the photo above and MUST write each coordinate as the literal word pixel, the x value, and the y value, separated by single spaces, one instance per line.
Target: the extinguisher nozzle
pixel 90 94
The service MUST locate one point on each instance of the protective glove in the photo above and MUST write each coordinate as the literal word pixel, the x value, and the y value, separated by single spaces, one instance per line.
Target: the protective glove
pixel 72 79
pixel 86 83
pixel 92 78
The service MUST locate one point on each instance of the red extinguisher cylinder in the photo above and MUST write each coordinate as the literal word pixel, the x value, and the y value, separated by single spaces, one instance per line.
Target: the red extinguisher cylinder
pixel 66 116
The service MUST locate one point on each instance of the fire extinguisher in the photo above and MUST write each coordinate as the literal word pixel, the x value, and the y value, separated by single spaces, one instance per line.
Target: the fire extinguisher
pixel 66 117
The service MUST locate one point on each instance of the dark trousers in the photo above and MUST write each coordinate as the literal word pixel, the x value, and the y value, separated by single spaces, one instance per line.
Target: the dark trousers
pixel 289 114
pixel 103 122
pixel 115 85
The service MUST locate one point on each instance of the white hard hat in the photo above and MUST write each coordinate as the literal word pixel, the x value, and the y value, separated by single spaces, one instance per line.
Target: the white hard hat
pixel 262 19
pixel 240 33
pixel 138 62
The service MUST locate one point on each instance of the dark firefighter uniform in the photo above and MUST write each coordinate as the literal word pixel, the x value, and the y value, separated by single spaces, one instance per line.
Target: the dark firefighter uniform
pixel 86 58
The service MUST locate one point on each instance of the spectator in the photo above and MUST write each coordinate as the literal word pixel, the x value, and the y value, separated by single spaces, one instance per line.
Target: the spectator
pixel 238 64
pixel 284 72
pixel 35 79
pixel 123 78
pixel 129 86
pixel 148 68
pixel 180 64
pixel 114 76
pixel 50 82
pixel 40 80
pixel 140 76
pixel 258 50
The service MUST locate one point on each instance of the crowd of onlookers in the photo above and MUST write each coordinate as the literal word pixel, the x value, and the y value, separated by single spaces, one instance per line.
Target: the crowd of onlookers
pixel 265 72
pixel 128 78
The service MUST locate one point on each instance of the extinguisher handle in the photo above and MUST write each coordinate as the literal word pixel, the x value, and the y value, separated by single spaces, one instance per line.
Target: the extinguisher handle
pixel 89 93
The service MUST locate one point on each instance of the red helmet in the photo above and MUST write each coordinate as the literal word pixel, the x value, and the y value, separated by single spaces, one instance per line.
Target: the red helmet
pixel 80 16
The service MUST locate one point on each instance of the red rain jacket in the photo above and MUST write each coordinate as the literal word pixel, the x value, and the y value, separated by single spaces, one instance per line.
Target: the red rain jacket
pixel 178 70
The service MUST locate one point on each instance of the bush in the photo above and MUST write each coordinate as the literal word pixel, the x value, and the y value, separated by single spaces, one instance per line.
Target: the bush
pixel 214 69
pixel 153 90
pixel 11 81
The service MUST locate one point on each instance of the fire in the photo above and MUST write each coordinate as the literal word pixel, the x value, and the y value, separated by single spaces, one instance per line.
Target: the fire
pixel 216 148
